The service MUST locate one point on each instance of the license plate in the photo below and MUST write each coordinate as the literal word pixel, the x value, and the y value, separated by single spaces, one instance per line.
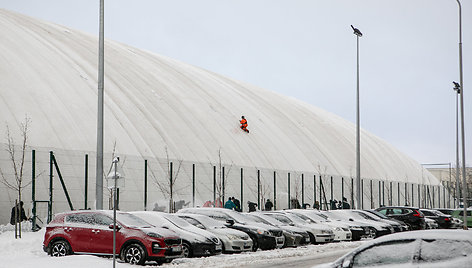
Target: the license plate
pixel 177 249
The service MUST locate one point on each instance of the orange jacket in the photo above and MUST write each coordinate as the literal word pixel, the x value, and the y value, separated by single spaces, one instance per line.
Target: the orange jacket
pixel 243 122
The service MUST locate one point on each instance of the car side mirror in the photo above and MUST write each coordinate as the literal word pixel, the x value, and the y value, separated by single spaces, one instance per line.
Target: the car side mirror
pixel 350 219
pixel 230 222
pixel 346 263
pixel 200 226
pixel 165 226
pixel 291 224
pixel 117 227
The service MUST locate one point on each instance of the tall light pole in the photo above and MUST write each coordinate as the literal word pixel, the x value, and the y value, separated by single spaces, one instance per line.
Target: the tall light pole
pixel 99 164
pixel 358 129
pixel 461 84
pixel 457 89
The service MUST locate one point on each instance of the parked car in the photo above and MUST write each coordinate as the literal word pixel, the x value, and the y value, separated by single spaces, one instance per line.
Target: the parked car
pixel 358 232
pixel 447 211
pixel 431 224
pixel 91 232
pixel 195 242
pixel 444 221
pixel 395 226
pixel 404 227
pixel 234 241
pixel 421 249
pixel 318 233
pixel 377 228
pixel 341 231
pixel 409 215
pixel 263 236
pixel 294 236
pixel 459 214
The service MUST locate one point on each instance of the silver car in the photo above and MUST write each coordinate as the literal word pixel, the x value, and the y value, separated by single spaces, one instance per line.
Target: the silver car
pixel 234 241
pixel 419 249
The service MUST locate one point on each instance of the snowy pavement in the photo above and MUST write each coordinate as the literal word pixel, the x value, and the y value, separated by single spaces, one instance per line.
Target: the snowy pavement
pixel 27 252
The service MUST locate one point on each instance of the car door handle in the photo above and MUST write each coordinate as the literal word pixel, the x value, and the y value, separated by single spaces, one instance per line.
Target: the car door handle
pixel 96 231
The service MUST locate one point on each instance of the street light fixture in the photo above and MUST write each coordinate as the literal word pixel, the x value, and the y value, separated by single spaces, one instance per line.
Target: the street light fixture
pixel 461 86
pixel 457 89
pixel 358 132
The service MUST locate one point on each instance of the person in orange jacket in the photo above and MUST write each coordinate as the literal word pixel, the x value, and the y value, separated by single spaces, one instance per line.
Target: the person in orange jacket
pixel 243 122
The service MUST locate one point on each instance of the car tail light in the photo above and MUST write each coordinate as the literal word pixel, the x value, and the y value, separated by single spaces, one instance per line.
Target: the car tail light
pixel 417 214
pixel 447 219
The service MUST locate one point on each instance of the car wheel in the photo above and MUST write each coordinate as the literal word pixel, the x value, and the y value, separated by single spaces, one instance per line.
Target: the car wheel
pixel 186 250
pixel 59 248
pixel 134 254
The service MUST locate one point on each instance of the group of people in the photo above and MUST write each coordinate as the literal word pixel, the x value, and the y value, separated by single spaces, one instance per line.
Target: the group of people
pixel 339 204
pixel 233 204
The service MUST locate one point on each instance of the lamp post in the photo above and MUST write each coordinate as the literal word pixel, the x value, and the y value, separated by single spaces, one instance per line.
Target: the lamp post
pixel 358 132
pixel 99 160
pixel 458 91
pixel 461 86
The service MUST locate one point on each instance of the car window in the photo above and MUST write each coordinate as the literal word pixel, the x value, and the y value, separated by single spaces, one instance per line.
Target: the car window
pixel 101 219
pixel 388 253
pixel 85 218
pixel 406 211
pixel 444 249
pixel 428 213
pixel 191 220
pixel 469 213
pixel 383 211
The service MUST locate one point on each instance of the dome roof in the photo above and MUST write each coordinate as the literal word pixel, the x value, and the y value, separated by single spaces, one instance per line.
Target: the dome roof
pixel 155 104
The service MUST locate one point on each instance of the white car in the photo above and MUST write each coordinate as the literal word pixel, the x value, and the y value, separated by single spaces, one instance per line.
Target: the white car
pixel 341 230
pixel 319 233
pixel 419 249
pixel 234 241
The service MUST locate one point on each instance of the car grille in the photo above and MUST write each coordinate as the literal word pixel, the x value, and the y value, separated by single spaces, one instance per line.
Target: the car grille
pixel 170 242
pixel 215 240
pixel 275 233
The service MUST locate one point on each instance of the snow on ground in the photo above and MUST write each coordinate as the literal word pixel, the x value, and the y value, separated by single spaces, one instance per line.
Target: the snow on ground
pixel 27 252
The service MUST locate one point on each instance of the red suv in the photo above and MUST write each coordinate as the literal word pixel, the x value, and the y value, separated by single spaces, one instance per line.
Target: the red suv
pixel 91 232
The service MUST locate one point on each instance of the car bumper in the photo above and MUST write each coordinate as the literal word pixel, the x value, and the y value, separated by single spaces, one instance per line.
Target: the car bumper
pixel 266 242
pixel 205 249
pixel 342 236
pixel 324 238
pixel 238 245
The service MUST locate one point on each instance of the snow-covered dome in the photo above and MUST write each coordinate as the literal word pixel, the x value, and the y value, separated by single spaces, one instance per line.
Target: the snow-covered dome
pixel 154 103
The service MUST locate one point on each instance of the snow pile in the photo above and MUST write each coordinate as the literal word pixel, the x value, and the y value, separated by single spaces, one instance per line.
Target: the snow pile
pixel 27 252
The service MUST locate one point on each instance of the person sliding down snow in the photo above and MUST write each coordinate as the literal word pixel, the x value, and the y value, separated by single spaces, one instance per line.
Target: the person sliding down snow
pixel 243 122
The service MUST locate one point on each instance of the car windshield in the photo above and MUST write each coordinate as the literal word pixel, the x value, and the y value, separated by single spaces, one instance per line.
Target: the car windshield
pixel 303 217
pixel 336 216
pixel 270 220
pixel 210 223
pixel 132 221
pixel 176 220
pixel 378 214
pixel 253 218
pixel 236 216
pixel 296 218
pixel 367 216
pixel 318 217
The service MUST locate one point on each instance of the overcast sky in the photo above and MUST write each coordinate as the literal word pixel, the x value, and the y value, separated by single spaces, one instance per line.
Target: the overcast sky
pixel 306 49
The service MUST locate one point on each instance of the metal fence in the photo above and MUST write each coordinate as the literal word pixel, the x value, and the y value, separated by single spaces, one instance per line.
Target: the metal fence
pixel 170 184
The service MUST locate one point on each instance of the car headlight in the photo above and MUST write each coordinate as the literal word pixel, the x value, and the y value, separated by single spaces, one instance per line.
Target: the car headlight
pixel 339 229
pixel 232 237
pixel 151 234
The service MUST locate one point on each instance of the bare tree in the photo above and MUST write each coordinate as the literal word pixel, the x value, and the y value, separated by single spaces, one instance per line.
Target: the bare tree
pixel 220 178
pixel 167 186
pixel 17 183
